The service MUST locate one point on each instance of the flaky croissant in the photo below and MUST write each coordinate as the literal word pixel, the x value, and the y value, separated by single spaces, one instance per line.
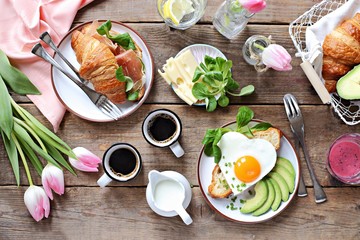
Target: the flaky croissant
pixel 98 65
pixel 341 50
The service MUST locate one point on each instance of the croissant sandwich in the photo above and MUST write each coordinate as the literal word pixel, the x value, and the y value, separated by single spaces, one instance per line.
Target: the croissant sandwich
pixel 114 70
pixel 341 50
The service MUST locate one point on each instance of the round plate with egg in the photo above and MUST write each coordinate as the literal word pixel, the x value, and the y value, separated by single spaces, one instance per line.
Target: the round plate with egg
pixel 198 51
pixel 230 207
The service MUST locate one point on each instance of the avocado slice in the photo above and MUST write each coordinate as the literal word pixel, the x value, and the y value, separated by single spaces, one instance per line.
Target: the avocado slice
pixel 288 177
pixel 270 199
pixel 282 184
pixel 261 194
pixel 348 86
pixel 277 200
pixel 286 164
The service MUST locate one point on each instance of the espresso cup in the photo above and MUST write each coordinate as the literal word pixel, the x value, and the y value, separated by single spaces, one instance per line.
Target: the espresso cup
pixel 162 128
pixel 121 162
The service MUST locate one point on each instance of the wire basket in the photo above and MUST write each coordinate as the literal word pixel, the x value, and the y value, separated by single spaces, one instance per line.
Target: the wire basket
pixel 348 111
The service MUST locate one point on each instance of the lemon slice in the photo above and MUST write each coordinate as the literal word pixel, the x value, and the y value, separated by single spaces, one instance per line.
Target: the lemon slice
pixel 177 9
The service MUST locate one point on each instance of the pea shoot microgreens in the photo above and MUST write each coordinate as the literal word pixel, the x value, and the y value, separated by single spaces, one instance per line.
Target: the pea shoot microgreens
pixel 243 118
pixel 213 79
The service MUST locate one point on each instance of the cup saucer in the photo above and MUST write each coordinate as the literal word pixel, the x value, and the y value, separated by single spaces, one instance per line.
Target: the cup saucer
pixel 187 199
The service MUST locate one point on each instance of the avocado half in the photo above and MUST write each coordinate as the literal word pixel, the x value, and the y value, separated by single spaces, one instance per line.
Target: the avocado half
pixel 348 87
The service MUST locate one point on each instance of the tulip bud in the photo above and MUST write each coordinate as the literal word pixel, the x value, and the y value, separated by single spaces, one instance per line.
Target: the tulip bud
pixel 253 6
pixel 52 177
pixel 87 161
pixel 276 57
pixel 37 202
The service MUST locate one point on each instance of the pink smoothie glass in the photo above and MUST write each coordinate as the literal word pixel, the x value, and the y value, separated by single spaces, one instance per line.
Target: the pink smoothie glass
pixel 343 160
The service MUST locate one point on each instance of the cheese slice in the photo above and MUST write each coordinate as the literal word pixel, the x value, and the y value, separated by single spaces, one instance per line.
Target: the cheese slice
pixel 179 73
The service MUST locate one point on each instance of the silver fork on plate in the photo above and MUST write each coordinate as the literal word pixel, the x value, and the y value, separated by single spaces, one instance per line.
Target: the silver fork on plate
pixel 46 38
pixel 100 100
pixel 297 126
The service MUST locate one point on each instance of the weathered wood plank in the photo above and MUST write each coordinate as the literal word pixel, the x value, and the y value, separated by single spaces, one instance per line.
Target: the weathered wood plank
pixel 123 213
pixel 99 136
pixel 270 86
pixel 280 11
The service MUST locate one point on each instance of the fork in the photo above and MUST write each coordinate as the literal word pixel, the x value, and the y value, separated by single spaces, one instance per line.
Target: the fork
pixel 46 38
pixel 100 100
pixel 297 126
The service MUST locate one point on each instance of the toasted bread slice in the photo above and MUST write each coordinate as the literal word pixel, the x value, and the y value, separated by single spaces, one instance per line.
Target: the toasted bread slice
pixel 273 135
pixel 218 188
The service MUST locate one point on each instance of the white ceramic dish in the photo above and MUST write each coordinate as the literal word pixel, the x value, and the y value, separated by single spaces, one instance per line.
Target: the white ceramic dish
pixel 75 100
pixel 206 165
pixel 199 51
pixel 186 202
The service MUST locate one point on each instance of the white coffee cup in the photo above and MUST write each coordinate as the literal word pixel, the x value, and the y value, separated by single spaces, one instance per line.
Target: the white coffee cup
pixel 162 128
pixel 121 162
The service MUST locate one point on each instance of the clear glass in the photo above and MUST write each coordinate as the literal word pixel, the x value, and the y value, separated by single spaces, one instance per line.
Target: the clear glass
pixel 187 20
pixel 252 54
pixel 230 19
pixel 343 160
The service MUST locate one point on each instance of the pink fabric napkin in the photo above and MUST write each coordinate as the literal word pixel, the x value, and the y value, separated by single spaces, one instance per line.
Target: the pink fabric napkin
pixel 22 22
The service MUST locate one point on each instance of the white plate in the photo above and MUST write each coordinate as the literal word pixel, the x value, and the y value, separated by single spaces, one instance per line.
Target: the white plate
pixel 75 100
pixel 205 167
pixel 187 199
pixel 199 51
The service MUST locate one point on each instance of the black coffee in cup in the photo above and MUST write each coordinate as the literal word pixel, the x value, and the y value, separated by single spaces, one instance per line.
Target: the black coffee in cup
pixel 162 128
pixel 123 162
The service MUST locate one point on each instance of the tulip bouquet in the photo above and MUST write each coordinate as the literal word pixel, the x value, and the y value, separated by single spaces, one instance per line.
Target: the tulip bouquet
pixel 25 138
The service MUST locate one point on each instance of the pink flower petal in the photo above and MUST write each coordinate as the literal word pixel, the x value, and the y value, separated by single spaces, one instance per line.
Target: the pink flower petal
pixel 276 57
pixel 82 167
pixel 253 6
pixel 37 202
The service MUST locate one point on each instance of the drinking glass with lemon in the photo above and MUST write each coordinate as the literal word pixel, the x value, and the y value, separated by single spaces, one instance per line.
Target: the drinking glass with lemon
pixel 181 14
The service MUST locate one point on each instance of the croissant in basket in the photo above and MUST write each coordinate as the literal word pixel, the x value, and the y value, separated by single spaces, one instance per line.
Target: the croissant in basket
pixel 341 50
pixel 99 59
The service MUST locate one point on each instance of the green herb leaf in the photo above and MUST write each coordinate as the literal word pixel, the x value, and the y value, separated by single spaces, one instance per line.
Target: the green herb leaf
pixel 249 89
pixel 133 96
pixel 209 60
pixel 244 116
pixel 210 103
pixel 124 39
pixel 261 126
pixel 14 78
pixel 104 28
pixel 6 116
pixel 223 101
pixel 209 136
pixel 217 154
pixel 220 62
pixel 231 84
pixel 122 78
pixel 246 131
pixel 200 91
pixel 12 155
pixel 216 75
pixel 198 73
pixel 208 149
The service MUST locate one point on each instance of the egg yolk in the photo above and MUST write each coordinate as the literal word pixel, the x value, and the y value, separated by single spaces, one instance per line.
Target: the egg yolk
pixel 247 169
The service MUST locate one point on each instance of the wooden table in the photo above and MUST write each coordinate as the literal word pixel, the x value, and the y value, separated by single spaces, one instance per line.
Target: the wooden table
pixel 120 211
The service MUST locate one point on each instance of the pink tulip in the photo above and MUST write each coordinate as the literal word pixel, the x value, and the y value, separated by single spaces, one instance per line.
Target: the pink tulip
pixel 87 161
pixel 253 6
pixel 37 202
pixel 276 57
pixel 52 178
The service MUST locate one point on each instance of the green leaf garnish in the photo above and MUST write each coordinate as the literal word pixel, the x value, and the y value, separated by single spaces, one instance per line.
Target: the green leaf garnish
pixel 133 96
pixel 122 78
pixel 213 78
pixel 124 39
pixel 6 115
pixel 243 118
